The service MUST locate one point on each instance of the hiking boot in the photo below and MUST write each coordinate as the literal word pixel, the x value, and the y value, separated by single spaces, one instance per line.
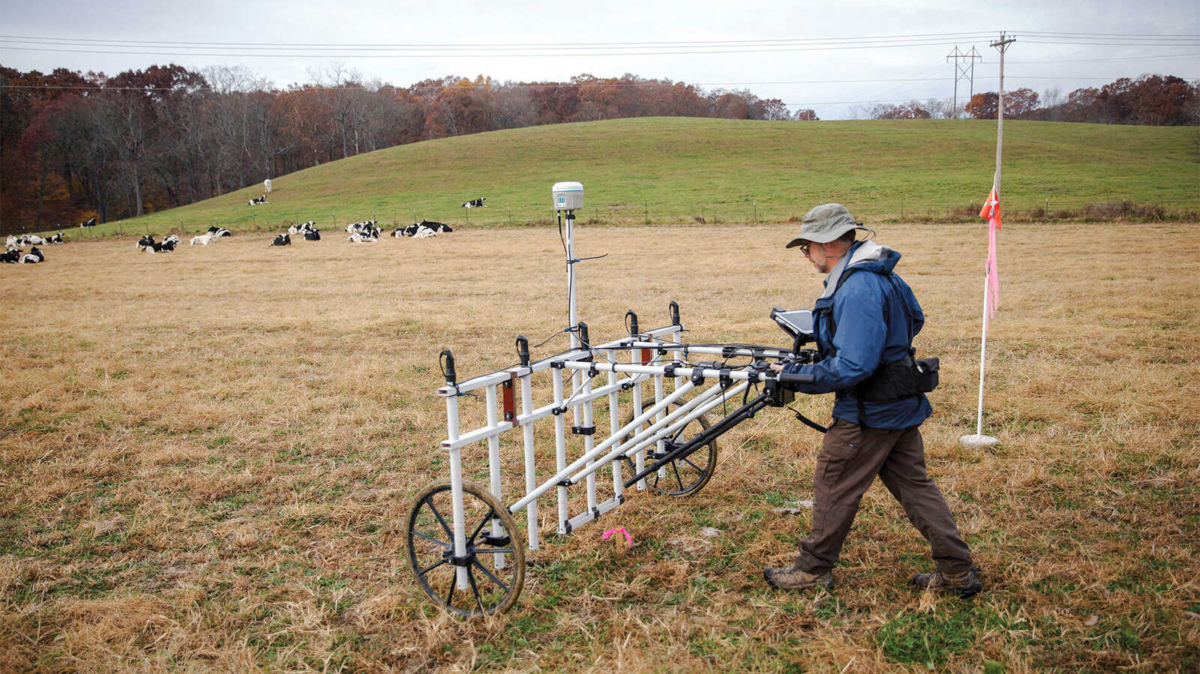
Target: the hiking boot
pixel 965 584
pixel 792 578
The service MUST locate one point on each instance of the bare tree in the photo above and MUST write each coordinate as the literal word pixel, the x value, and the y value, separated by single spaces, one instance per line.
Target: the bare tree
pixel 342 89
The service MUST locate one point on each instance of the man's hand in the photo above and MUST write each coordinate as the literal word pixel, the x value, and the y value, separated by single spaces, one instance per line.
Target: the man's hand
pixel 776 367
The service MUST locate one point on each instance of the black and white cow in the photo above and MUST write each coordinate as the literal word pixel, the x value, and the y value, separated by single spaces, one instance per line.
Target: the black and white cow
pixel 11 256
pixel 303 227
pixel 88 223
pixel 362 226
pixel 56 239
pixel 282 240
pixel 438 227
pixel 33 256
pixel 219 232
pixel 259 201
pixel 364 237
pixel 474 203
pixel 312 235
pixel 149 245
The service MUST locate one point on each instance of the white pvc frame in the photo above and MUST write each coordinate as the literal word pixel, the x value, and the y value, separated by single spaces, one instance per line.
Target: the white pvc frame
pixel 648 428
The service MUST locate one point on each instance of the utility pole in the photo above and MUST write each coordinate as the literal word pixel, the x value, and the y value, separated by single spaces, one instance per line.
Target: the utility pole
pixel 961 71
pixel 1002 45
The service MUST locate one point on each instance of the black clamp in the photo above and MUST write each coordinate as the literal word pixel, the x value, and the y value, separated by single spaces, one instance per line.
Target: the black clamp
pixel 567 526
pixel 725 379
pixel 727 351
pixel 566 483
pixel 556 364
pixel 697 376
pixel 593 371
pixel 558 410
pixel 583 430
pixel 669 368
pixel 625 386
pixel 465 560
pixel 595 513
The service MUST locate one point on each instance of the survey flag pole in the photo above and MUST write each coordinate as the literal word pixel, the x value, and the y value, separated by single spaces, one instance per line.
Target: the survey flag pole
pixel 991 276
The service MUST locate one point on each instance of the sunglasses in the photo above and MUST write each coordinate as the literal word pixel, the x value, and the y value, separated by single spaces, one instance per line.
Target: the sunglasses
pixel 804 247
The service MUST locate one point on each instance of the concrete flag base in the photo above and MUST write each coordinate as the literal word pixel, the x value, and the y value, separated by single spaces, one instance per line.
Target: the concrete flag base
pixel 975 441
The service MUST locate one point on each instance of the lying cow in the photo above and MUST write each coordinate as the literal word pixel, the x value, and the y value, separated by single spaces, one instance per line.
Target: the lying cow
pixel 437 226
pixel 204 239
pixel 259 201
pixel 303 227
pixel 11 256
pixel 474 203
pixel 88 223
pixel 56 239
pixel 312 235
pixel 363 226
pixel 282 240
pixel 363 237
pixel 33 256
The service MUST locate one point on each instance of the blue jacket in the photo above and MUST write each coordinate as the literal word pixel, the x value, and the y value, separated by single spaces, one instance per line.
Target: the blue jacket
pixel 877 317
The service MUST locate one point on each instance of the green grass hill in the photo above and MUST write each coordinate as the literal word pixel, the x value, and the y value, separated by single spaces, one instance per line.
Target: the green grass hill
pixel 673 170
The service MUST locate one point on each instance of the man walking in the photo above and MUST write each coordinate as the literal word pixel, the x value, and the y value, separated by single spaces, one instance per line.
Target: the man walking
pixel 864 325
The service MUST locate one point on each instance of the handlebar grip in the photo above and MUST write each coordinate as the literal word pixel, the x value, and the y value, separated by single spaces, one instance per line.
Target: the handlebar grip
pixel 796 378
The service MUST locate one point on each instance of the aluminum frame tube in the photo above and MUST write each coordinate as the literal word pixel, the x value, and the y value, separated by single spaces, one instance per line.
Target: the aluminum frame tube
pixel 494 466
pixel 530 461
pixel 640 457
pixel 614 414
pixel 589 441
pixel 560 453
pixel 456 494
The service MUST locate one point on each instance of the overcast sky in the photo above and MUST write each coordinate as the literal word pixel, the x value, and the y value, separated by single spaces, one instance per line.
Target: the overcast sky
pixel 44 35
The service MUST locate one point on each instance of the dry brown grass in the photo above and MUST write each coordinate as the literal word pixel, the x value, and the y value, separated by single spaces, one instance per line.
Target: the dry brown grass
pixel 206 457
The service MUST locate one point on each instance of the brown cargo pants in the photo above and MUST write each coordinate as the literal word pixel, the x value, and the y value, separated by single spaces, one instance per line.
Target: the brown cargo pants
pixel 850 459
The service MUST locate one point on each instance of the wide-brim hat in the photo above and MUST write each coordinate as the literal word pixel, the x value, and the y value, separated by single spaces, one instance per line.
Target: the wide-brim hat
pixel 826 223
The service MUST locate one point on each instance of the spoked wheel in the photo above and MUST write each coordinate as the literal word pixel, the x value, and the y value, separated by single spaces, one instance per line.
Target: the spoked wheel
pixel 493 567
pixel 686 475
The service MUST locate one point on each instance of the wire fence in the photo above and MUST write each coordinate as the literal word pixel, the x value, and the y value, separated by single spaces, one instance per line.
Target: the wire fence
pixel 1043 209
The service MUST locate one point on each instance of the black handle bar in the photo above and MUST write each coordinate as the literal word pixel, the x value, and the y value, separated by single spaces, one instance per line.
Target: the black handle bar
pixel 796 378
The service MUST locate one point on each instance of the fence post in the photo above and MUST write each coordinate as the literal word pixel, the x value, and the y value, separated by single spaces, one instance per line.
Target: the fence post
pixel 756 210
pixel 1123 205
pixel 647 205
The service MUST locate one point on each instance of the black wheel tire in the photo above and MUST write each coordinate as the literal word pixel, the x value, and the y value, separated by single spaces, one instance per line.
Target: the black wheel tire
pixel 694 474
pixel 427 553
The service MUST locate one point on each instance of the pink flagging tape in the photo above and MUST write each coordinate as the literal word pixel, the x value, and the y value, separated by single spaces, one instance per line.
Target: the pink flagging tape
pixel 621 530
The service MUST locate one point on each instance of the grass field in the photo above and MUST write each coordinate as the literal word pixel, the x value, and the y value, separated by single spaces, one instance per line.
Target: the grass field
pixel 673 170
pixel 206 457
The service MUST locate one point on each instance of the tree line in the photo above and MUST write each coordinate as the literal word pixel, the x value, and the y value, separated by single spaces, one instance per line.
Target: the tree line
pixel 76 145
pixel 1154 100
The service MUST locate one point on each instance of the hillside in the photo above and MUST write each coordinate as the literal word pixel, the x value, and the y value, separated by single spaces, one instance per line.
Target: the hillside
pixel 678 169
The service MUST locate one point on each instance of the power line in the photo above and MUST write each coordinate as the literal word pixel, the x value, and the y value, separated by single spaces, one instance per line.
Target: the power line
pixel 484 45
pixel 64 87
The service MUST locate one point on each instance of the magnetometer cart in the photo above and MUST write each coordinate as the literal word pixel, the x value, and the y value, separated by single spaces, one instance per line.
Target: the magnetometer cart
pixel 463 542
